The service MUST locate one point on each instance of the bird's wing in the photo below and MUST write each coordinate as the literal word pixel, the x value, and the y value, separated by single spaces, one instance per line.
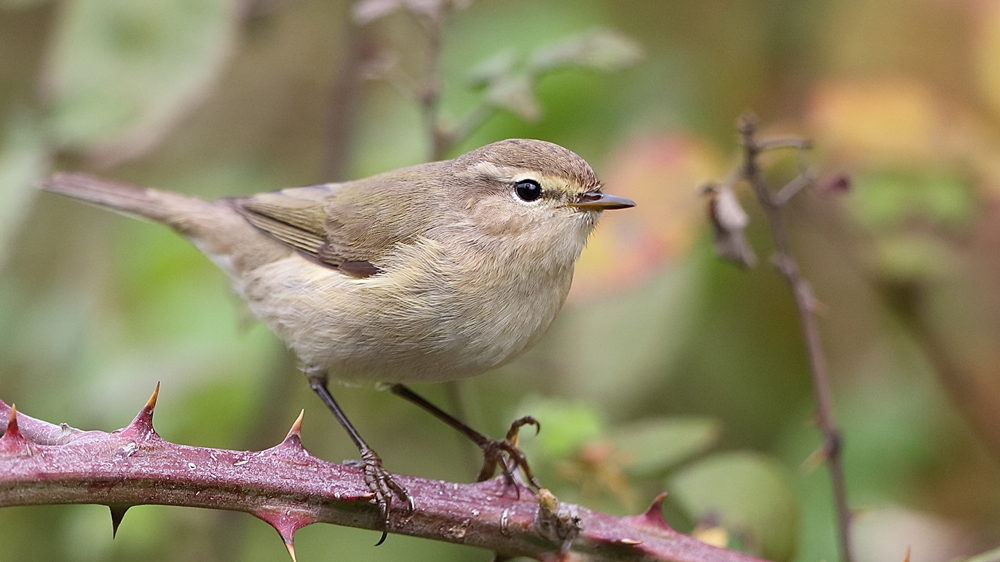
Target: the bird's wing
pixel 293 216
pixel 350 226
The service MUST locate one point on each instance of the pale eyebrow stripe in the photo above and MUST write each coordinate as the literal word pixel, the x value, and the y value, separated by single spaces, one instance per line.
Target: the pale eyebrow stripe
pixel 504 174
pixel 510 174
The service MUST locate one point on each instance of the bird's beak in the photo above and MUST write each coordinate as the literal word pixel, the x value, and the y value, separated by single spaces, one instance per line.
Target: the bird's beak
pixel 597 201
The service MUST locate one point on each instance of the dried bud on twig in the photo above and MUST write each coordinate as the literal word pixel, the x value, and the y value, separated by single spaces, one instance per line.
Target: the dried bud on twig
pixel 729 221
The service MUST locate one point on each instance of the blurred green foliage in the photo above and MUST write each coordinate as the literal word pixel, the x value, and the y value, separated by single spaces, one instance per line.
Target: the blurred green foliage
pixel 747 493
pixel 666 367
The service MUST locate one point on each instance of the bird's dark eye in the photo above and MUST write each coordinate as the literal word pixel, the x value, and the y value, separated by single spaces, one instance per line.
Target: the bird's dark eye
pixel 528 190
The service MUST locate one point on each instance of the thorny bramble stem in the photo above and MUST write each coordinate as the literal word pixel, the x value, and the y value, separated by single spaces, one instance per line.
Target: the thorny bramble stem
pixel 289 488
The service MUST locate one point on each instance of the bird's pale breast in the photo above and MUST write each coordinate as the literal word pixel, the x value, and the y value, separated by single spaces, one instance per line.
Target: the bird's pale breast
pixel 429 317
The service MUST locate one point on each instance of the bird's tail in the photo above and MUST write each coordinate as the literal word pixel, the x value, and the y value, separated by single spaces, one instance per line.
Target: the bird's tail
pixel 186 214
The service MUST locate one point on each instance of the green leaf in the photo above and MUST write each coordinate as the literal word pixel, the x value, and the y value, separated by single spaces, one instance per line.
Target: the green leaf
pixel 748 494
pixel 948 199
pixel 565 426
pixel 511 87
pixel 597 49
pixel 24 158
pixel 887 200
pixel 492 69
pixel 654 445
pixel 515 95
pixel 123 72
pixel 880 201
pixel 909 257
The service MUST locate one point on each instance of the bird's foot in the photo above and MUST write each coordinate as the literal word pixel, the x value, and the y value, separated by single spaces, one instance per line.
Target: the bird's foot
pixel 382 487
pixel 505 454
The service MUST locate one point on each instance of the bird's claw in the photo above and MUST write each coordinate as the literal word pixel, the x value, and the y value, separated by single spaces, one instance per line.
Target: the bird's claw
pixel 505 454
pixel 382 486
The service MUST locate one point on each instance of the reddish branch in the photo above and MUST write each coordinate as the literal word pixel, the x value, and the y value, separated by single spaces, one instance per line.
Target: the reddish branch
pixel 286 486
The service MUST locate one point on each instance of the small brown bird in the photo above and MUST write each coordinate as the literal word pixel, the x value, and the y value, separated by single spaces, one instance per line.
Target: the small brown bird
pixel 435 272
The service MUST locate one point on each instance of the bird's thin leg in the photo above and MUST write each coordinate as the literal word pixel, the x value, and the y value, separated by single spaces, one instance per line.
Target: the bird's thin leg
pixel 377 478
pixel 493 449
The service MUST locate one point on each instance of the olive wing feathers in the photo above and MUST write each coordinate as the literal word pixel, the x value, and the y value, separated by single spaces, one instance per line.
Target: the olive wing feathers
pixel 350 226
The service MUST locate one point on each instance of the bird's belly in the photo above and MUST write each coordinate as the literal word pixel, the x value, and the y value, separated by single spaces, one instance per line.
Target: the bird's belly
pixel 395 328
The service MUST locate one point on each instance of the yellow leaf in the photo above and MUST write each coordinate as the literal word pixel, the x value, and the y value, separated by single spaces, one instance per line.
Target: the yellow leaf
pixel 987 53
pixel 888 120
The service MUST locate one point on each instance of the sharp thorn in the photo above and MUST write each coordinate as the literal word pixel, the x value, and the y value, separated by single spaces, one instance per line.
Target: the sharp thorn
pixel 143 422
pixel 382 538
pixel 296 430
pixel 151 403
pixel 117 514
pixel 292 443
pixel 13 441
pixel 290 547
pixel 12 422
pixel 286 523
pixel 654 515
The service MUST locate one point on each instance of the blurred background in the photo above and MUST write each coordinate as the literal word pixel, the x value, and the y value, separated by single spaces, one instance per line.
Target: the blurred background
pixel 668 370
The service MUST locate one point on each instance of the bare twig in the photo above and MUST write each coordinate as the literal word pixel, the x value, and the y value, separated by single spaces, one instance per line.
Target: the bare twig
pixel 774 143
pixel 798 183
pixel 344 100
pixel 430 89
pixel 784 262
pixel 289 488
pixel 468 123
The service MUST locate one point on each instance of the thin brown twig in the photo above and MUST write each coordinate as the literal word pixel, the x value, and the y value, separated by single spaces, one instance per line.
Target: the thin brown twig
pixel 805 302
pixel 344 100
pixel 792 188
pixel 776 142
pixel 426 89
pixel 430 89
pixel 468 123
